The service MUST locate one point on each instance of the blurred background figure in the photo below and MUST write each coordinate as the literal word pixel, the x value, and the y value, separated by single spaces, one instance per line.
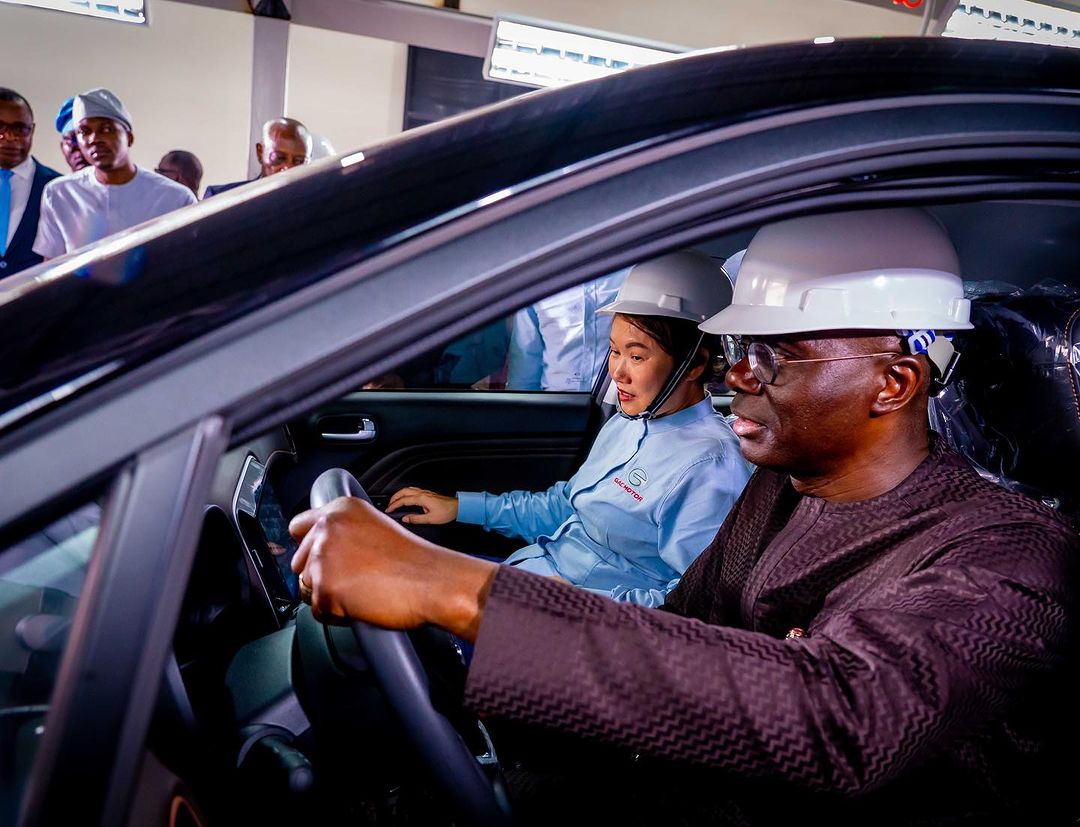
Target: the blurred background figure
pixel 321 147
pixel 560 343
pixel 22 180
pixel 183 167
pixel 286 143
pixel 732 265
pixel 69 142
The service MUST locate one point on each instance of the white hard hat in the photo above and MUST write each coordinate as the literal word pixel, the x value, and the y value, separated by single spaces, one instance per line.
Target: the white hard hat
pixel 684 285
pixel 889 270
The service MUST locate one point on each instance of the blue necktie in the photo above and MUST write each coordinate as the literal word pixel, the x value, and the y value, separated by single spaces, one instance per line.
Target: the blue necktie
pixel 5 207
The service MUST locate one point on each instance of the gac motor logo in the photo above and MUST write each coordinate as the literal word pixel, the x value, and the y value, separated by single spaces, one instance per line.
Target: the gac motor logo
pixel 628 489
pixel 637 477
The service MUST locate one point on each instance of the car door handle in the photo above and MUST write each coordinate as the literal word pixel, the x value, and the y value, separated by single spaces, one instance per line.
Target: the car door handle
pixel 365 432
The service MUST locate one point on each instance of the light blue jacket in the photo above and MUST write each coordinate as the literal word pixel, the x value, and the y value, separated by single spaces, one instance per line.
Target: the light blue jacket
pixel 647 501
pixel 560 343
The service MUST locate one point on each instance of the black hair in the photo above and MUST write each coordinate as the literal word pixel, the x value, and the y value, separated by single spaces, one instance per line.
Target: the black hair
pixel 186 161
pixel 11 96
pixel 676 337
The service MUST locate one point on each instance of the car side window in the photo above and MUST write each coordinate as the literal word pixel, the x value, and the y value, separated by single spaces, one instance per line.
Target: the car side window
pixel 41 578
pixel 560 343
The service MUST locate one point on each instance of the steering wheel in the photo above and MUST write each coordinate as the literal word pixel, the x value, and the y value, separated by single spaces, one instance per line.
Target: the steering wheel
pixel 403 682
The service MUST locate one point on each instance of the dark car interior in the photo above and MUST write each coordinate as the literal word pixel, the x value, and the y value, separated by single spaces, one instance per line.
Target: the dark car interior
pixel 265 713
pixel 286 705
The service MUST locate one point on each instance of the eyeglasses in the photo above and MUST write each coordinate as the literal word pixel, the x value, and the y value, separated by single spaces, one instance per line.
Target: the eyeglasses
pixel 764 361
pixel 17 129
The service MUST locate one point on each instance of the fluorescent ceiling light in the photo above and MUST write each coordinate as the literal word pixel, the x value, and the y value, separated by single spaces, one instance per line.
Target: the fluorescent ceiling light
pixel 125 11
pixel 539 53
pixel 1017 20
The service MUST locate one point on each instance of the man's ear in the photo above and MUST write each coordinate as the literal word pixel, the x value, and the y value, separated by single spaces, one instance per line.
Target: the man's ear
pixel 131 137
pixel 904 379
pixel 259 152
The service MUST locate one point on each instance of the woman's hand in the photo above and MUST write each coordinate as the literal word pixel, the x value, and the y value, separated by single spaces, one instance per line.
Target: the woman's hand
pixel 437 508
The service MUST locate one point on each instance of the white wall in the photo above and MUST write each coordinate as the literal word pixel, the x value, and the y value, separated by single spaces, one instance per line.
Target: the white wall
pixel 349 88
pixel 185 78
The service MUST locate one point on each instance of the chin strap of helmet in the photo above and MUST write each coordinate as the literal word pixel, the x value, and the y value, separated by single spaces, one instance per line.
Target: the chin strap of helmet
pixel 669 387
pixel 938 349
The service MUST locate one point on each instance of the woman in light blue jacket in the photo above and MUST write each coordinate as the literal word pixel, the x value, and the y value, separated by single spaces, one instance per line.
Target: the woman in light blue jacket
pixel 661 476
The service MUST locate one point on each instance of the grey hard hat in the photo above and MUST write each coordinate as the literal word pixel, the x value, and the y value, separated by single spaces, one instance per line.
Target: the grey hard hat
pixel 687 285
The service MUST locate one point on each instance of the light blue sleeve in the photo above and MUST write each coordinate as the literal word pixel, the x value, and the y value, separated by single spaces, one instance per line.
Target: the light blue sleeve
pixel 690 516
pixel 526 352
pixel 525 514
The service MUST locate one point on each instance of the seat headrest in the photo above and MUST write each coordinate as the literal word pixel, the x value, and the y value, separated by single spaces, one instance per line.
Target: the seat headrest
pixel 1013 408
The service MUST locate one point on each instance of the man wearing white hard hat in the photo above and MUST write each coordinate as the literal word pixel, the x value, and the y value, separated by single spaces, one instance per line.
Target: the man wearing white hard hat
pixel 876 635
pixel 110 195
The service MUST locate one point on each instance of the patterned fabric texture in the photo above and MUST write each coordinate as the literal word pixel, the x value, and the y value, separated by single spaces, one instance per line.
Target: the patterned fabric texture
pixel 929 685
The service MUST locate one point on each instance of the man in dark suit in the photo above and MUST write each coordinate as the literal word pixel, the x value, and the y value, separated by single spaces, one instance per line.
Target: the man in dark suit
pixel 21 181
pixel 285 144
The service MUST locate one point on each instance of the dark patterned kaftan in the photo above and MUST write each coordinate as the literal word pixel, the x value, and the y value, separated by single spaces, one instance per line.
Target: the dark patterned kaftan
pixel 928 682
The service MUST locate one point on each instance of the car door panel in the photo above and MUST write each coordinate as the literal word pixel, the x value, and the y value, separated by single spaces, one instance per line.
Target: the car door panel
pixel 447 442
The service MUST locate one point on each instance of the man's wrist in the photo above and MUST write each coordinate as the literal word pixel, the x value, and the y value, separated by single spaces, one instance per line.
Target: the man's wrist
pixel 458 598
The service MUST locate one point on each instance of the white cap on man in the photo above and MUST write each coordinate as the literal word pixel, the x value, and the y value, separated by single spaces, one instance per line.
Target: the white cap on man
pixel 99 103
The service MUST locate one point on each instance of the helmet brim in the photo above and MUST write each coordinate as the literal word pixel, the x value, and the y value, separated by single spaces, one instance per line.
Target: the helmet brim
pixel 755 320
pixel 630 307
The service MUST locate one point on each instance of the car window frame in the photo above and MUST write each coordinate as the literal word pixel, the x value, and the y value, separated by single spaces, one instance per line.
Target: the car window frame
pixel 121 633
pixel 327 340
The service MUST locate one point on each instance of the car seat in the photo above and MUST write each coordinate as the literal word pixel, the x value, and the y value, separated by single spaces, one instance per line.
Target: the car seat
pixel 1013 408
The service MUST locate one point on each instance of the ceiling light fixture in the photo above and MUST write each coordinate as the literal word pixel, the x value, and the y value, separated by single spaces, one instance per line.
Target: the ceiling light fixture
pixel 539 53
pixel 1017 20
pixel 123 11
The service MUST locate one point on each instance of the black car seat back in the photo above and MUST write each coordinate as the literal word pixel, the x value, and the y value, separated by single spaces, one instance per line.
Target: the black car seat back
pixel 1013 408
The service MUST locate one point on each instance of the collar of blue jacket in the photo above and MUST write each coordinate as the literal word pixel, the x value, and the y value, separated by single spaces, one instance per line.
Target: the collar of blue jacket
pixel 669 422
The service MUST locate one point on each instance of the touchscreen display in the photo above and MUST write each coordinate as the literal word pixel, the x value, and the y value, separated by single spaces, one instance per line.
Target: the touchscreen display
pixel 279 542
pixel 266 533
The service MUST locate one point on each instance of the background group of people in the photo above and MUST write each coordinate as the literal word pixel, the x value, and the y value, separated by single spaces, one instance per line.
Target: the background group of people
pixel 557 344
pixel 45 213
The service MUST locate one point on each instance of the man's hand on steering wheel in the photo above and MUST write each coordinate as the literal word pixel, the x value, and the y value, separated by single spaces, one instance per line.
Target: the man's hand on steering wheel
pixel 361 565
pixel 356 563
